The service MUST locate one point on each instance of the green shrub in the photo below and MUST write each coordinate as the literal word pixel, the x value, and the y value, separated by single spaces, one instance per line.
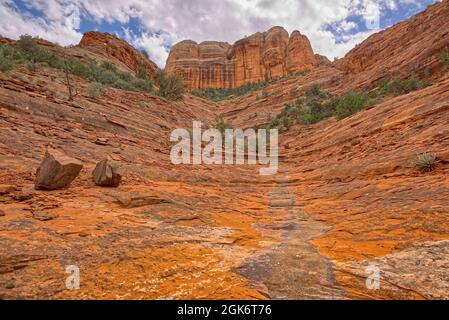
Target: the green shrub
pixel 426 162
pixel 314 107
pixel 351 103
pixel 6 60
pixel 399 87
pixel 170 87
pixel 315 110
pixel 76 68
pixel 28 46
pixel 445 59
pixel 94 90
pixel 142 73
pixel 31 66
pixel 144 85
pixel 30 54
pixel 315 91
pixel 286 118
pixel 221 125
pixel 223 94
pixel 6 65
pixel 107 74
pixel 35 55
pixel 106 65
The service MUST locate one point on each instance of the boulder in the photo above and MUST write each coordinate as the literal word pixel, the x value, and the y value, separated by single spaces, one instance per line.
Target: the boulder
pixel 102 141
pixel 107 174
pixel 44 216
pixel 56 171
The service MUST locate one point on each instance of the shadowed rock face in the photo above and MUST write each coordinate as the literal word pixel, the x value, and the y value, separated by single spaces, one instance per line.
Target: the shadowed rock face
pixel 258 57
pixel 110 46
pixel 106 174
pixel 322 60
pixel 56 171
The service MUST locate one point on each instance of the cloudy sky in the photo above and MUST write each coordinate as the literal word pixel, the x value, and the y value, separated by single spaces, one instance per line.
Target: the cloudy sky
pixel 333 26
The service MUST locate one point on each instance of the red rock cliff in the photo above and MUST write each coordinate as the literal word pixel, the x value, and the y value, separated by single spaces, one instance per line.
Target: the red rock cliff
pixel 412 47
pixel 110 46
pixel 258 57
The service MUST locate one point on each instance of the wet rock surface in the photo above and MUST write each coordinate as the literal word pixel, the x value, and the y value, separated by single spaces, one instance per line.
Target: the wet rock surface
pixel 295 269
pixel 347 197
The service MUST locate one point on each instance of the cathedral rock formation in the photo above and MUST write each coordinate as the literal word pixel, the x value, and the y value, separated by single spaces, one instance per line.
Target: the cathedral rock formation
pixel 260 56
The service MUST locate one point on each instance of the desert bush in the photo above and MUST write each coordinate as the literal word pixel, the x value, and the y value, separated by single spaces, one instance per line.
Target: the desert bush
pixel 399 87
pixel 351 103
pixel 426 162
pixel 315 106
pixel 221 125
pixel 142 73
pixel 445 59
pixel 142 104
pixel 31 66
pixel 106 65
pixel 144 85
pixel 28 46
pixel 315 91
pixel 107 74
pixel 286 118
pixel 35 55
pixel 170 87
pixel 224 94
pixel 28 53
pixel 77 68
pixel 6 60
pixel 94 90
pixel 315 110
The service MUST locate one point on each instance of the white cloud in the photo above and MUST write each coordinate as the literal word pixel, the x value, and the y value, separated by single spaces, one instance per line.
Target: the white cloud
pixel 168 21
pixel 55 26
pixel 154 44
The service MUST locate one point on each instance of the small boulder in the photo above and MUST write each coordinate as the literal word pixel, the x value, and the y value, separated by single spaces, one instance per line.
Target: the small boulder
pixel 56 171
pixel 44 216
pixel 10 285
pixel 102 141
pixel 107 174
pixel 22 196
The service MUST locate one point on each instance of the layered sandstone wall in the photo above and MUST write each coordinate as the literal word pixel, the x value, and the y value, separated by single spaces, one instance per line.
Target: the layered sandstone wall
pixel 261 56
pixel 412 47
pixel 112 47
